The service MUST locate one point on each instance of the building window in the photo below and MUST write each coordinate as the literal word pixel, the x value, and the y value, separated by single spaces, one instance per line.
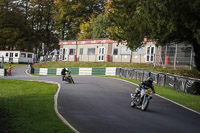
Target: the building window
pixel 81 51
pixel 16 54
pixel 91 51
pixel 72 51
pixel 23 55
pixel 6 54
pixel 125 51
pixel 29 55
pixel 115 51
pixel 11 54
pixel 150 54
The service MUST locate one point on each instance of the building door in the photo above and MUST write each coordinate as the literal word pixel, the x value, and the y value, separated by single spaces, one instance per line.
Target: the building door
pixel 150 54
pixel 65 53
pixel 101 54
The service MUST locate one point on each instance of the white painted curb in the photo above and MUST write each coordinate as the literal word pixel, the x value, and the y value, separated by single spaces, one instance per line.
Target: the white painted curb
pixel 56 102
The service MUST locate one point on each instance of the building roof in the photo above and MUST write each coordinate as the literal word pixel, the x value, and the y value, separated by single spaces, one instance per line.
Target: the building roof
pixel 93 41
pixel 79 42
pixel 14 51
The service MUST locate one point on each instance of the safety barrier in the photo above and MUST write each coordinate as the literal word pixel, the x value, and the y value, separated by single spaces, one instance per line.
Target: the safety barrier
pixel 110 71
pixel 187 85
pixel 2 72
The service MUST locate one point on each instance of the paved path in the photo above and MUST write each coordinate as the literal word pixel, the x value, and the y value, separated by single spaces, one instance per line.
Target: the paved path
pixel 102 105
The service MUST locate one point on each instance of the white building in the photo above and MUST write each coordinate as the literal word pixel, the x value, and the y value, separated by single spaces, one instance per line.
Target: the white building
pixel 16 56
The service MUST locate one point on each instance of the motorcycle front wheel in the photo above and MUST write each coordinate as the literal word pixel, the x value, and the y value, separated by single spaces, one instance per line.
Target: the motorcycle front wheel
pixel 132 103
pixel 72 81
pixel 145 104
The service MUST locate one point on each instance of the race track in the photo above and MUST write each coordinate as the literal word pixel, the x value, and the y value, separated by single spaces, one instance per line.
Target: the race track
pixel 102 105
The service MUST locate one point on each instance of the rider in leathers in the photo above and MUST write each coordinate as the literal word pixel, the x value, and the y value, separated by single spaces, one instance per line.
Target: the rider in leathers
pixel 63 73
pixel 146 85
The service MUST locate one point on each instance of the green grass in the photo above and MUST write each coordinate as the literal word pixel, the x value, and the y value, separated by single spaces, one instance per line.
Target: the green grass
pixel 28 107
pixel 179 71
pixel 6 65
pixel 188 100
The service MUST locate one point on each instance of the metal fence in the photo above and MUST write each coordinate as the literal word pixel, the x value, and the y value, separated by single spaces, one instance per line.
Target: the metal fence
pixel 177 55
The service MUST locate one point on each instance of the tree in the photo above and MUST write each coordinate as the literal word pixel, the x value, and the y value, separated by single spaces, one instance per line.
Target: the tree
pixel 174 21
pixel 162 21
pixel 69 14
pixel 123 23
pixel 26 24
pixel 14 32
pixel 94 28
pixel 124 26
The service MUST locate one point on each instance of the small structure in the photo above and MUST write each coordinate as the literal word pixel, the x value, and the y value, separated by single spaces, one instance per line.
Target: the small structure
pixel 17 56
pixel 105 50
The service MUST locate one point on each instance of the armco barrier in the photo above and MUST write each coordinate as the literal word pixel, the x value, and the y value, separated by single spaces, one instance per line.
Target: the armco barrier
pixel 98 71
pixel 146 74
pixel 110 71
pixel 170 81
pixel 161 79
pixel 43 71
pixel 51 72
pixel 36 71
pixel 193 86
pixel 183 84
pixel 74 71
pixel 118 71
pixel 58 71
pixel 155 76
pixel 180 84
pixel 85 71
pixel 140 74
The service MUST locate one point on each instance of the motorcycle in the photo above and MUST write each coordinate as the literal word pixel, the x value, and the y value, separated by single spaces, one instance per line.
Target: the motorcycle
pixel 141 100
pixel 68 78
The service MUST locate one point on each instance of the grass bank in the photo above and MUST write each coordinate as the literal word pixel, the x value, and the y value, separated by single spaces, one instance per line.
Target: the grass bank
pixel 6 65
pixel 179 71
pixel 28 107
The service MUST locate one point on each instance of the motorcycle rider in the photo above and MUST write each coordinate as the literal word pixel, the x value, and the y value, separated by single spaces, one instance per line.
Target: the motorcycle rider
pixel 146 85
pixel 63 73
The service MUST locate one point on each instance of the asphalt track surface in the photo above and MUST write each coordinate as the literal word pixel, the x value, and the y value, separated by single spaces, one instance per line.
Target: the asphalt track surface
pixel 102 105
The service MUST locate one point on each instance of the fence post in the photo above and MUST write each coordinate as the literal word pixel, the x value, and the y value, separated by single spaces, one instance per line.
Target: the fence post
pixel 2 61
pixel 191 58
pixel 175 56
pixel 154 60
pixel 165 55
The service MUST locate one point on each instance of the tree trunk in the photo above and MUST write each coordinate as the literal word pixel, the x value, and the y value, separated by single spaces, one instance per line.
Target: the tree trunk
pixel 131 56
pixel 196 48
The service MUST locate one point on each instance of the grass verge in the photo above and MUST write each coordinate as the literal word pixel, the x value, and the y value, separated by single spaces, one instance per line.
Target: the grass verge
pixel 6 65
pixel 187 100
pixel 179 71
pixel 28 107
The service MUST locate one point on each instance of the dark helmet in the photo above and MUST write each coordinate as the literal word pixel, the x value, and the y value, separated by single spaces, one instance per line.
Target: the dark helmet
pixel 150 80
